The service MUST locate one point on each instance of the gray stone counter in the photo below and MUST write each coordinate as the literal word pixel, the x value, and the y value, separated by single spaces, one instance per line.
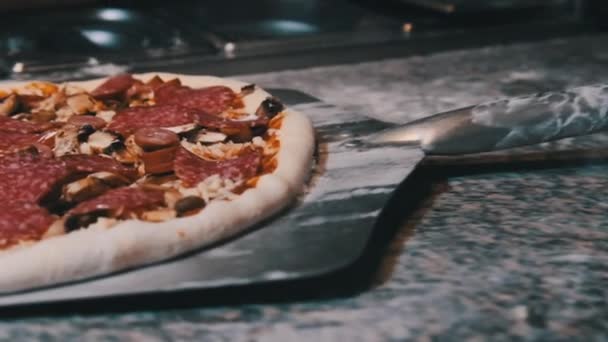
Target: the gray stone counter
pixel 496 256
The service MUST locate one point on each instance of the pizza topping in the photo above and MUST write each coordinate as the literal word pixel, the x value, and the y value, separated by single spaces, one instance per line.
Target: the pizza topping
pixel 29 176
pixel 127 151
pixel 28 102
pixel 66 141
pixel 96 163
pixel 93 185
pixel 38 88
pixel 159 161
pixel 183 129
pixel 39 149
pixel 11 141
pixel 210 137
pixel 9 105
pixel 212 188
pixel 42 116
pixel 80 104
pixel 18 126
pixel 121 203
pixel 22 222
pixel 189 205
pixel 151 138
pixel 105 115
pixel 270 108
pixel 211 100
pixel 129 120
pixel 114 88
pixel 158 149
pixel 84 132
pixel 158 215
pixel 87 120
pixel 155 82
pixel 166 90
pixel 191 169
pixel 212 121
pixel 101 142
pixel 248 89
pixel 236 130
pixel 87 126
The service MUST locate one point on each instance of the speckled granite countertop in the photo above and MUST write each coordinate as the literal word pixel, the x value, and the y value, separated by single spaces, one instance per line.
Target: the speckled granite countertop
pixel 496 256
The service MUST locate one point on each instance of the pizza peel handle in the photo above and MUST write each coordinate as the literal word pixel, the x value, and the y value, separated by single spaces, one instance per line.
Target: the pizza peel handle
pixel 506 123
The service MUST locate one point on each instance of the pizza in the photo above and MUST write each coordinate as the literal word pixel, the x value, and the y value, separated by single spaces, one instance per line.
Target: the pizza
pixel 110 174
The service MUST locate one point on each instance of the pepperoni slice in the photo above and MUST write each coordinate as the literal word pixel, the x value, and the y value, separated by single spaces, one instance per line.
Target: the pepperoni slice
pixel 83 163
pixel 129 120
pixel 18 126
pixel 163 92
pixel 114 88
pixel 238 131
pixel 22 221
pixel 139 88
pixel 192 169
pixel 216 122
pixel 87 120
pixel 29 177
pixel 156 82
pixel 121 203
pixel 211 100
pixel 12 141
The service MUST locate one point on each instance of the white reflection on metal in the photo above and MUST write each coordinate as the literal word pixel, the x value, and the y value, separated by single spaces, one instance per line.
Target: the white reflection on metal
pixel 113 14
pixel 18 67
pixel 99 37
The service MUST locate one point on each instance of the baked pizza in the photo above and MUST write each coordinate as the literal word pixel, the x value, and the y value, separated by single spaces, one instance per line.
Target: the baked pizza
pixel 109 174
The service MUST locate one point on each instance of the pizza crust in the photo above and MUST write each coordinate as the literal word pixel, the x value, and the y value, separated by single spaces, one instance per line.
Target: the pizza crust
pixel 131 243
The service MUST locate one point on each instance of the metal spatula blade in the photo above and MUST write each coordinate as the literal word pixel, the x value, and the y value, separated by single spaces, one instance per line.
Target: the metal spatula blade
pixel 506 123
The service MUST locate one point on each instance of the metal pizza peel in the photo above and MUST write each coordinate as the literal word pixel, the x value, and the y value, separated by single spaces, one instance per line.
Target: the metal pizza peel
pixel 359 164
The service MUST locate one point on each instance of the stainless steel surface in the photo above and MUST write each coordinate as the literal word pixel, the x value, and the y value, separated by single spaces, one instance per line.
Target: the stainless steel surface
pixel 231 37
pixel 325 231
pixel 506 123
pixel 452 6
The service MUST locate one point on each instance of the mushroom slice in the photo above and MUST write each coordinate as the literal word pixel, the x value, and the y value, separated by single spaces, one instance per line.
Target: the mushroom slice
pixel 66 141
pixel 106 115
pixel 182 129
pixel 43 116
pixel 99 141
pixel 110 179
pixel 9 105
pixel 70 89
pixel 125 156
pixel 129 152
pixel 80 103
pixel 210 137
pixel 93 185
